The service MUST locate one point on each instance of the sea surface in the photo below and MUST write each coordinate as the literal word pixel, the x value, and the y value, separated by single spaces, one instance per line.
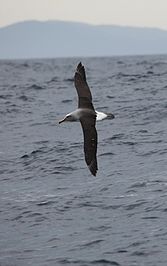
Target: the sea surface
pixel 52 210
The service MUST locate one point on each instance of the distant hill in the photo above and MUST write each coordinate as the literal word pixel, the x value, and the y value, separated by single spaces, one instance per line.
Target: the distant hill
pixel 34 39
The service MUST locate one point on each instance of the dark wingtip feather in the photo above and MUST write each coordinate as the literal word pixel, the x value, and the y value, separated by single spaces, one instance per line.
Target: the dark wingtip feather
pixel 93 167
pixel 81 71
pixel 79 66
pixel 93 171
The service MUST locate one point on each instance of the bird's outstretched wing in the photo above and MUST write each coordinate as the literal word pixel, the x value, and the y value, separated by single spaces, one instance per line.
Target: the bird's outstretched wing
pixel 90 142
pixel 84 93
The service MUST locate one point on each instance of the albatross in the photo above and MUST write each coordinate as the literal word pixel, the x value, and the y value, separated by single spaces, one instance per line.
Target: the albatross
pixel 87 116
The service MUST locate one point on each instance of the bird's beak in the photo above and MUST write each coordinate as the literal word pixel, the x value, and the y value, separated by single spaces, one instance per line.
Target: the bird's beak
pixel 61 121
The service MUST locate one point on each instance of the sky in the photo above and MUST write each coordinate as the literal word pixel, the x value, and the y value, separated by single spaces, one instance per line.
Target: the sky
pixel 141 13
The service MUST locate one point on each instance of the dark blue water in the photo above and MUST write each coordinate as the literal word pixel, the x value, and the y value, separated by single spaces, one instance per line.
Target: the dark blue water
pixel 52 210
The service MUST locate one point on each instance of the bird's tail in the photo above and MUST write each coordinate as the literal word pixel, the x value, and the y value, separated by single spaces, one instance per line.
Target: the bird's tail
pixel 110 116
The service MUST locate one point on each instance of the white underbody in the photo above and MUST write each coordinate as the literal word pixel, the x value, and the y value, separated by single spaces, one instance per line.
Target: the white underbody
pixel 77 114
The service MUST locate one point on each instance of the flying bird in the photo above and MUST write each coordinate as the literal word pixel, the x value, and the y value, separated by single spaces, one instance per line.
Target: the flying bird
pixel 87 116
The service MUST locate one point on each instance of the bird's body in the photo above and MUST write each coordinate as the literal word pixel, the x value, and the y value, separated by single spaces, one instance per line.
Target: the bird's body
pixel 87 116
pixel 78 113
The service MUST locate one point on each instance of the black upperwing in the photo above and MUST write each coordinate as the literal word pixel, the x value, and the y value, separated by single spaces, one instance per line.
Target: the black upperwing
pixel 84 93
pixel 90 142
pixel 88 121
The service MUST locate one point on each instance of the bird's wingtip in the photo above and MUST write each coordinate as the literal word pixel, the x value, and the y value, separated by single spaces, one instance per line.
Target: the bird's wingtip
pixel 79 65
pixel 93 173
pixel 93 167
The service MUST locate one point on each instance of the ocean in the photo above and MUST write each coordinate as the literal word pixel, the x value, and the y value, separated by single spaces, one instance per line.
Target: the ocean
pixel 52 210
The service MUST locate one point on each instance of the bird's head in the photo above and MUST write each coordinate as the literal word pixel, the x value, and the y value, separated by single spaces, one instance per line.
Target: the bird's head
pixel 67 118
